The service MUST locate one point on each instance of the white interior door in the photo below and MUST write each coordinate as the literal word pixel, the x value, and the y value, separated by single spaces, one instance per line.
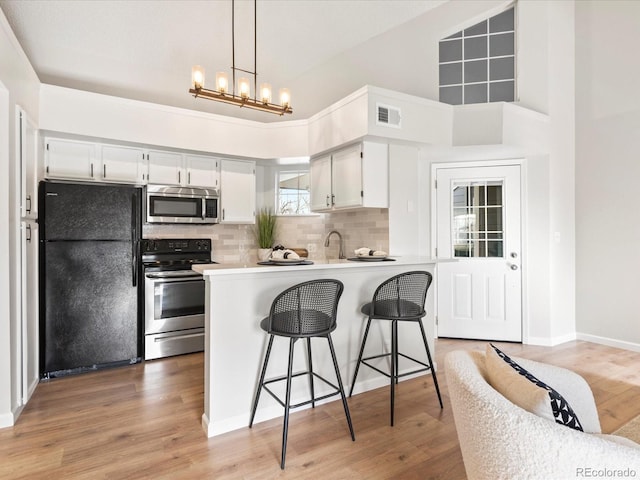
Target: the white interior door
pixel 478 224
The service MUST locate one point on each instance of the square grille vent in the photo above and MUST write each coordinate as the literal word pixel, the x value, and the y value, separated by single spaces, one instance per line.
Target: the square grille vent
pixel 388 116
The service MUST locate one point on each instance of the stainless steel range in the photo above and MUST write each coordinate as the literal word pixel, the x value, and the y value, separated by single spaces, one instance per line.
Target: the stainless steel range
pixel 173 295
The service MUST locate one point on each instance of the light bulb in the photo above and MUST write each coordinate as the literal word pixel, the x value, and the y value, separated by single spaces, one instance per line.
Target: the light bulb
pixel 222 83
pixel 243 88
pixel 285 97
pixel 265 93
pixel 197 77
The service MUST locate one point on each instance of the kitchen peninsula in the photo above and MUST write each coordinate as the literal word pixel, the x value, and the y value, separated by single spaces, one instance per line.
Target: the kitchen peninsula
pixel 239 296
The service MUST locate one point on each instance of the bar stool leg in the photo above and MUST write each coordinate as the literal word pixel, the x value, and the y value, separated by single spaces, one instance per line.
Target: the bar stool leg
pixel 433 372
pixel 394 365
pixel 285 427
pixel 313 395
pixel 364 340
pixel 344 398
pixel 261 381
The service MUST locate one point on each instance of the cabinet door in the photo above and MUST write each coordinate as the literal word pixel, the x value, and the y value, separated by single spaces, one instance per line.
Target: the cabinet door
pixel 28 156
pixel 237 191
pixel 347 177
pixel 29 310
pixel 202 171
pixel 69 159
pixel 320 183
pixel 165 168
pixel 122 164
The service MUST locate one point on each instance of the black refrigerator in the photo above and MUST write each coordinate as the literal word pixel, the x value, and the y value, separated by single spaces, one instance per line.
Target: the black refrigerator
pixel 89 276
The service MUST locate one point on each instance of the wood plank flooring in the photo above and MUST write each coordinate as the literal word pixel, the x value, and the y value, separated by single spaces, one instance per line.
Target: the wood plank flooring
pixel 143 421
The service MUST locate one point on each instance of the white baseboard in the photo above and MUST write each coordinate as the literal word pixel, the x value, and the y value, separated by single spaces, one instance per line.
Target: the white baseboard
pixel 550 341
pixel 611 342
pixel 6 420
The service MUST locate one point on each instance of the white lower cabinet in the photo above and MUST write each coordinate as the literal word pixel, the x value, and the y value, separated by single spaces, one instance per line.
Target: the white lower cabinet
pixel 237 191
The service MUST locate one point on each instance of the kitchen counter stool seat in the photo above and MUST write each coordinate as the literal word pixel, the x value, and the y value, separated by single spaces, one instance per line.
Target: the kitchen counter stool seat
pixel 400 298
pixel 305 310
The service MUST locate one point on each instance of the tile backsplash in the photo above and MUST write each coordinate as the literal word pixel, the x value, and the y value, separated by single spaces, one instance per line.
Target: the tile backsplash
pixel 237 243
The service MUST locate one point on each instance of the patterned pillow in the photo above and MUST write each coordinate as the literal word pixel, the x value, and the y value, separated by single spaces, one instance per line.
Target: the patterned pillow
pixel 522 388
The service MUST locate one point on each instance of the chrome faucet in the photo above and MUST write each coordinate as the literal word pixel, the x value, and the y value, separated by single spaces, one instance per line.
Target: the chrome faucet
pixel 326 242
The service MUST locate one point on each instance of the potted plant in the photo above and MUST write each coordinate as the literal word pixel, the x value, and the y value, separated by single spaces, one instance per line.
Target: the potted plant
pixel 266 223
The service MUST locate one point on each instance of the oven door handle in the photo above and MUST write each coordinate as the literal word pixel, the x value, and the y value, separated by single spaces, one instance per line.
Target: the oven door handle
pixel 179 278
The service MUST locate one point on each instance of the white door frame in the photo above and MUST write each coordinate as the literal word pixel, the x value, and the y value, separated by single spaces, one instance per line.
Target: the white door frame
pixel 522 163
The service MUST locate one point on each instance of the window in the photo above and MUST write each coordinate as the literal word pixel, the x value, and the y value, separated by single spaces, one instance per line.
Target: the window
pixel 292 192
pixel 477 219
pixel 477 64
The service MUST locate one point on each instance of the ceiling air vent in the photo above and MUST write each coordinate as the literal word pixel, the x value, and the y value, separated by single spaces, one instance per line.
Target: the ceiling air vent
pixel 388 116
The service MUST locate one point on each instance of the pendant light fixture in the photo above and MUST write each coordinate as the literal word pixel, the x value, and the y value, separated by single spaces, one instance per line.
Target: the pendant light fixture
pixel 227 93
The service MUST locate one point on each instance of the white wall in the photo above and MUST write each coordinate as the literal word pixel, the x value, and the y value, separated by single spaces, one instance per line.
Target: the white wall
pixel 18 85
pixel 102 116
pixel 608 172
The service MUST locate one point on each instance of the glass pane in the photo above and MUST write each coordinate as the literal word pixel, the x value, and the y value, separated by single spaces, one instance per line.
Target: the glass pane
pixel 477 29
pixel 494 194
pixel 502 22
pixel 494 219
pixel 475 47
pixel 494 249
pixel 460 197
pixel 450 73
pixel 502 91
pixel 475 71
pixel 455 35
pixel 501 44
pixel 501 69
pixel 450 51
pixel 451 95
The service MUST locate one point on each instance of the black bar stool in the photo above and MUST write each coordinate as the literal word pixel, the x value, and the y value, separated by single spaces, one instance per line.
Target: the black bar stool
pixel 399 299
pixel 303 311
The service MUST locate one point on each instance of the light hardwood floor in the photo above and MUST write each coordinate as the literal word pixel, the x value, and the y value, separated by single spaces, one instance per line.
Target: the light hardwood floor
pixel 143 421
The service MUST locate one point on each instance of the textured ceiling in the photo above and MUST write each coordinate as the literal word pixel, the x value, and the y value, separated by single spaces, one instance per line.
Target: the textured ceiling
pixel 144 49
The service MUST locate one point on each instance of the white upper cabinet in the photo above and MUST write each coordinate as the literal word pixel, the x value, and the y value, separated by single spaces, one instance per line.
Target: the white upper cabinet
pixel 352 177
pixel 202 171
pixel 346 180
pixel 28 156
pixel 237 191
pixel 165 168
pixel 320 183
pixel 122 164
pixel 70 159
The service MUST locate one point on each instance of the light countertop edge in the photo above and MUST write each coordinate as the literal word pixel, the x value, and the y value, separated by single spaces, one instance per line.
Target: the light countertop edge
pixel 226 268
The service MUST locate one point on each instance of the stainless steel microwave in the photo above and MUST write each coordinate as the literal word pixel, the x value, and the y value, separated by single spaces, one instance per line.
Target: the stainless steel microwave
pixel 165 204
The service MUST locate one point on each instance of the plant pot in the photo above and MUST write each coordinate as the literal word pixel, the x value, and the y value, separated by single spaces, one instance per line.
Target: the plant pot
pixel 264 254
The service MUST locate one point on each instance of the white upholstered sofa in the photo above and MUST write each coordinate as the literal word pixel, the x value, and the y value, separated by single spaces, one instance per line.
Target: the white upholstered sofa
pixel 500 440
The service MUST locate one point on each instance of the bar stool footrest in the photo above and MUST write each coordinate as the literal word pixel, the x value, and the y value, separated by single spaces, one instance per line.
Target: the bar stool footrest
pixel 306 402
pixel 426 366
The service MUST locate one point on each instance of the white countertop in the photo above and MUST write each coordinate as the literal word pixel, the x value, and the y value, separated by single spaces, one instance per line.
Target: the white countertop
pixel 318 264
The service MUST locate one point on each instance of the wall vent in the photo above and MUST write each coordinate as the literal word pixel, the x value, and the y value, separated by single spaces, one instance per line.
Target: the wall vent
pixel 388 116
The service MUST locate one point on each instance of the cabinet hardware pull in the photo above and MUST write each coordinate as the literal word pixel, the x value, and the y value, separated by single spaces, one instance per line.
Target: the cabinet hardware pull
pixel 28 208
pixel 92 170
pixel 327 199
pixel 223 213
pixel 333 199
pixel 189 178
pixel 104 171
pixel 28 233
pixel 178 176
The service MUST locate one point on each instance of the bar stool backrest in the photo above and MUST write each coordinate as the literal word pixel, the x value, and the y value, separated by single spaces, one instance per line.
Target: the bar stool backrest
pixel 306 309
pixel 402 296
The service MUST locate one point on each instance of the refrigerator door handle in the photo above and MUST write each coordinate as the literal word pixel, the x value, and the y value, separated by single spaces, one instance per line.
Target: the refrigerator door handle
pixel 134 238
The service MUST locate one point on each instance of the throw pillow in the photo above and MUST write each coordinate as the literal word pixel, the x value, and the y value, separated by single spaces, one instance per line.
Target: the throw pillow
pixel 522 388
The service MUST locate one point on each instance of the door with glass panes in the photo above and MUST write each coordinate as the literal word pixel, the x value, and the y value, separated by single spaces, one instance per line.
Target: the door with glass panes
pixel 479 295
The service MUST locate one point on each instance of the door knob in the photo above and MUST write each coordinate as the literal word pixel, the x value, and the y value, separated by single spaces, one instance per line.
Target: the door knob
pixel 514 255
pixel 514 267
